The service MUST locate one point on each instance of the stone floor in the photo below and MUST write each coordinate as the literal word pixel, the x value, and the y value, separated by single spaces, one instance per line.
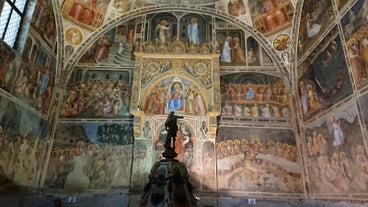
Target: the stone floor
pixel 124 200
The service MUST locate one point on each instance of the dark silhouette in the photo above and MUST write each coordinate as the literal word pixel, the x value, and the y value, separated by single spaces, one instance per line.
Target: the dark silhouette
pixel 171 126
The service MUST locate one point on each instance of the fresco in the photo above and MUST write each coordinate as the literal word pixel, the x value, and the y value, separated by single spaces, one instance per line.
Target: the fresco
pixel 356 35
pixel 230 45
pixel 270 16
pixel 174 94
pixel 73 36
pixel 184 144
pixel 35 80
pixel 116 46
pixel 249 98
pixel 43 21
pixel 92 97
pixel 90 156
pixel 325 79
pixel 122 5
pixel 21 144
pixel 9 63
pixel 88 14
pixel 257 159
pixel 363 100
pixel 141 164
pixel 315 19
pixel 337 160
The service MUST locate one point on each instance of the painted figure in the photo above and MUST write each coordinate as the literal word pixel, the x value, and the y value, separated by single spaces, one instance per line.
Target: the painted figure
pixel 193 31
pixel 337 131
pixel 236 7
pixel 312 28
pixel 226 51
pixel 176 100
pixel 238 52
pixel 163 29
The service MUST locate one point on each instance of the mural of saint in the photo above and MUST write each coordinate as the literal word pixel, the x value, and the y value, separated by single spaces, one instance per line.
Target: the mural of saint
pixel 193 31
pixel 176 101
pixel 226 51
pixel 236 7
pixel 163 31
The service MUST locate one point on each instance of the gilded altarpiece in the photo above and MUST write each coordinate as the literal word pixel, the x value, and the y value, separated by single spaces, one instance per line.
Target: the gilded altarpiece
pixel 188 84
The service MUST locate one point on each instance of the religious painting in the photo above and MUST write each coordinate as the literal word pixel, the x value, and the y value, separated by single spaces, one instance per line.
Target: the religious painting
pixel 231 46
pixel 236 8
pixel 363 100
pixel 325 79
pixel 192 29
pixel 270 16
pixel 253 51
pixel 9 64
pixel 315 19
pixel 245 96
pixel 43 21
pixel 122 5
pixel 208 166
pixel 73 36
pixel 102 52
pixel 173 94
pixel 336 158
pixel 90 156
pixel 101 93
pixel 88 14
pixel 21 144
pixel 257 159
pixel 356 34
pixel 36 79
pixel 141 164
pixel 165 28
pixel 185 143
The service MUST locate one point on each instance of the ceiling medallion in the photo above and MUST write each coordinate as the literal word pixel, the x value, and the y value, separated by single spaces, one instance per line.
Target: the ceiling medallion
pixel 281 42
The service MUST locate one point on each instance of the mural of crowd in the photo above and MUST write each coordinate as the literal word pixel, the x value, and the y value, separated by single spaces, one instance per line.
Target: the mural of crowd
pixel 256 100
pixel 84 157
pixel 22 154
pixel 336 158
pixel 97 98
pixel 266 162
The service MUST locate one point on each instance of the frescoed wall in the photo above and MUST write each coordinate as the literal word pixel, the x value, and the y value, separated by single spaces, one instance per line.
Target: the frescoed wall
pixel 22 148
pixel 337 159
pixel 355 31
pixel 174 94
pixel 91 156
pixel 254 96
pixel 231 46
pixel 315 19
pixel 88 14
pixel 36 79
pixel 270 16
pixel 43 21
pixel 325 79
pixel 265 159
pixel 97 94
pixel 9 63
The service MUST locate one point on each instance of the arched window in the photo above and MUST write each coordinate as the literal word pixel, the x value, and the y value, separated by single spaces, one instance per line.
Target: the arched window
pixel 11 17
